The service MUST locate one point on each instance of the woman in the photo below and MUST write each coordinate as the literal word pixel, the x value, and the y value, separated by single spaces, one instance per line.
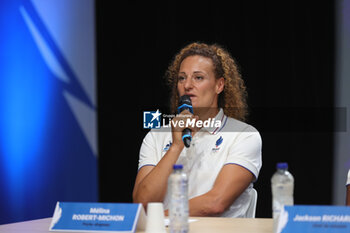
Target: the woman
pixel 222 161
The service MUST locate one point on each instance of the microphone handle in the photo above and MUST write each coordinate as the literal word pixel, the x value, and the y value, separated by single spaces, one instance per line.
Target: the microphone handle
pixel 187 137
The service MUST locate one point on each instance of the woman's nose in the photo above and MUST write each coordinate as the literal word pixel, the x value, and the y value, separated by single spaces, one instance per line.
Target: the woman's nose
pixel 188 85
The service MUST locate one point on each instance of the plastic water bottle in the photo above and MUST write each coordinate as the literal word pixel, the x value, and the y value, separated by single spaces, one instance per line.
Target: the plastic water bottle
pixel 178 200
pixel 282 184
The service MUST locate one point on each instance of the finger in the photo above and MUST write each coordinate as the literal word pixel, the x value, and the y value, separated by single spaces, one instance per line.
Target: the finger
pixel 185 113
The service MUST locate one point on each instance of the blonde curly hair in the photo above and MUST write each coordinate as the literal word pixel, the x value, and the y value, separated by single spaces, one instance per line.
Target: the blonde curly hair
pixel 233 98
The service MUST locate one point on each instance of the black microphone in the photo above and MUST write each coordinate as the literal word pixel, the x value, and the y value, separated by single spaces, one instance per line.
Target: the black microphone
pixel 186 104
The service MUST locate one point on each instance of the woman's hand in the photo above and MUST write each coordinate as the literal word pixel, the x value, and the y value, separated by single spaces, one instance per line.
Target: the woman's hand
pixel 180 122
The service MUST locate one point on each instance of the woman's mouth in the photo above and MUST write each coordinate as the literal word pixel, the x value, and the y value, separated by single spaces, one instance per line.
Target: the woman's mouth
pixel 192 96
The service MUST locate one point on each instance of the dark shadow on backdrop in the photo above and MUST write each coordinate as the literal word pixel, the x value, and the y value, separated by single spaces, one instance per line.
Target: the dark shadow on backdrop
pixel 285 52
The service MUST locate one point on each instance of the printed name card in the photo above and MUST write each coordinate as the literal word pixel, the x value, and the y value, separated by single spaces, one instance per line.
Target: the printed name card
pixel 302 218
pixel 98 217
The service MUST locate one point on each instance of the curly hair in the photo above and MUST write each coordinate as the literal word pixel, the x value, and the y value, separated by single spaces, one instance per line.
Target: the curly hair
pixel 233 98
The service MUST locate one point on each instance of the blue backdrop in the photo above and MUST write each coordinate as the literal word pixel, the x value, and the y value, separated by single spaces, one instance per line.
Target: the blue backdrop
pixel 48 148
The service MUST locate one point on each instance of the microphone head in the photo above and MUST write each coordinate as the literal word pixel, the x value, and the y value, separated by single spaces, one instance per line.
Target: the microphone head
pixel 185 99
pixel 185 103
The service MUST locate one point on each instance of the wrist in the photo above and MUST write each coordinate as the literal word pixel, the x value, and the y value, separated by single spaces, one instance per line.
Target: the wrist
pixel 176 148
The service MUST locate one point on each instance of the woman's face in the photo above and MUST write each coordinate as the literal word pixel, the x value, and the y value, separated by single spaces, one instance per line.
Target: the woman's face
pixel 196 78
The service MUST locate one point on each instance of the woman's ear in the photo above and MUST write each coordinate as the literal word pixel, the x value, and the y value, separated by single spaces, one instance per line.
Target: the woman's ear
pixel 220 84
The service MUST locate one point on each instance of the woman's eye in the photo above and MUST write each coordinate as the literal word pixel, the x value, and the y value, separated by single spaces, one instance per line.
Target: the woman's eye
pixel 198 77
pixel 181 78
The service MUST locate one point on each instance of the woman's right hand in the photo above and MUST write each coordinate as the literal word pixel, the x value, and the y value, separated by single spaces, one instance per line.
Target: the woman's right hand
pixel 178 124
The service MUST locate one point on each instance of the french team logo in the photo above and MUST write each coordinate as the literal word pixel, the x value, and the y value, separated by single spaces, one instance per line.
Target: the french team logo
pixel 151 119
pixel 167 146
pixel 217 144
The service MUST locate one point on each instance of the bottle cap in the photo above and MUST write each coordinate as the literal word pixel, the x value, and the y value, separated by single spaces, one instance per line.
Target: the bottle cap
pixel 177 166
pixel 282 166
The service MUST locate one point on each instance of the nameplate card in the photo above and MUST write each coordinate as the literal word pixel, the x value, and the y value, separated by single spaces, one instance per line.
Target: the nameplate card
pixel 304 218
pixel 98 217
